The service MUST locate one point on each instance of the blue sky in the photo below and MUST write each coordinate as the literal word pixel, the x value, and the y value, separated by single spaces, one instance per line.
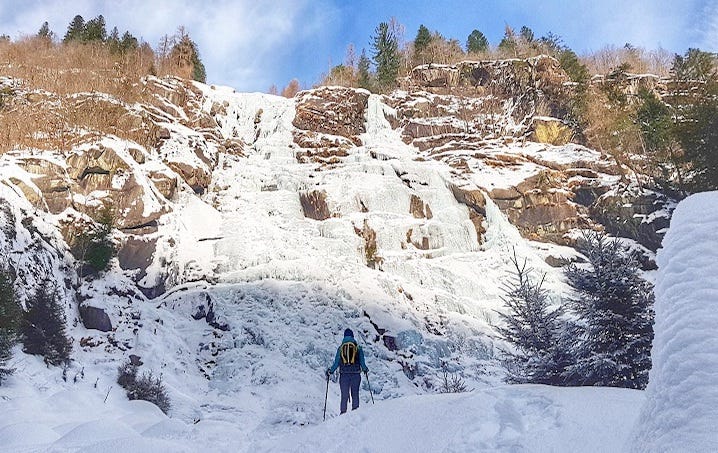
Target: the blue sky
pixel 252 44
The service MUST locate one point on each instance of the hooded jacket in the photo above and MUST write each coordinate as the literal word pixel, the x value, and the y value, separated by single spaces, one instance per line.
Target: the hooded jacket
pixel 351 368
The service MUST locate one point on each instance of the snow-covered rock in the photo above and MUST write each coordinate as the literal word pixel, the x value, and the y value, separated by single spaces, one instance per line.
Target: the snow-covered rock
pixel 681 407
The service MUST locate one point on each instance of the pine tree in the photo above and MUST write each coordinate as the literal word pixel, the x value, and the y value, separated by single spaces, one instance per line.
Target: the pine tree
pixel 128 42
pixel 421 43
pixel 477 42
pixel 534 329
pixel 696 127
pixel 364 79
pixel 45 32
pixel 575 69
pixel 386 56
pixel 655 119
pixel 76 30
pixel 10 316
pixel 694 65
pixel 526 34
pixel 552 44
pixel 113 41
pixel 43 327
pixel 92 245
pixel 185 55
pixel 697 133
pixel 95 30
pixel 614 306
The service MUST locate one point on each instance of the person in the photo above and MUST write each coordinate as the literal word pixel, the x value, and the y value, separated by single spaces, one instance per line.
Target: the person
pixel 350 361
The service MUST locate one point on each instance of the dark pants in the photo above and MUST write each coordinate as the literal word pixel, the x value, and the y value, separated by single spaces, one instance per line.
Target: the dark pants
pixel 349 383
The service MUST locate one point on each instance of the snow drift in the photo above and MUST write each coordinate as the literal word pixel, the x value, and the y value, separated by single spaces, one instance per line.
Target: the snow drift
pixel 681 410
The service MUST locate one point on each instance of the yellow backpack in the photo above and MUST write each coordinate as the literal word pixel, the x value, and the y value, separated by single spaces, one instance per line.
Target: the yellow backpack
pixel 349 352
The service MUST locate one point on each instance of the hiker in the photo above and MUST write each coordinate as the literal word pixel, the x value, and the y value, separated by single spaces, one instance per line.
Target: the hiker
pixel 350 361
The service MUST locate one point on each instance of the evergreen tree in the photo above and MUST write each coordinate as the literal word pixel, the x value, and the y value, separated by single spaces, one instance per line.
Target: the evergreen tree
pixel 76 30
pixel 477 42
pixel 614 306
pixel 113 41
pixel 95 30
pixel 694 65
pixel 535 330
pixel 128 42
pixel 10 316
pixel 43 327
pixel 185 54
pixel 696 118
pixel 386 56
pixel 421 43
pixel 697 132
pixel 92 246
pixel 363 74
pixel 576 71
pixel 577 105
pixel 45 32
pixel 526 34
pixel 655 119
pixel 552 44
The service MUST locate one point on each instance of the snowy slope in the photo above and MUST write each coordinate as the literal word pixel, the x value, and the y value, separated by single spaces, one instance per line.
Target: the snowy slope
pixel 681 411
pixel 520 418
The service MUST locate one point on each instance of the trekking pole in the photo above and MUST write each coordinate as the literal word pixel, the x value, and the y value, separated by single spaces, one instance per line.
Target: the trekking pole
pixel 366 373
pixel 326 395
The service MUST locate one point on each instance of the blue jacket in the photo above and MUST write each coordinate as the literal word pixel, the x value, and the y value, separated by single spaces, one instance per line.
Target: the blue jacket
pixel 348 368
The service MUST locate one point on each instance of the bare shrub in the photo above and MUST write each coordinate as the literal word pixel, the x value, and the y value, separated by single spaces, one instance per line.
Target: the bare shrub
pixel 640 61
pixel 146 387
pixel 451 382
pixel 76 67
pixel 291 89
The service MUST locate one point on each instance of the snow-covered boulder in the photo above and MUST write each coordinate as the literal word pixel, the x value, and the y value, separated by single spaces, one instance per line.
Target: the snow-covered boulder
pixel 681 410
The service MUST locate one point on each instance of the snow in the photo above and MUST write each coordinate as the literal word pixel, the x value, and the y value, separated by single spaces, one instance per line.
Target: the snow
pixel 507 419
pixel 681 410
pixel 504 419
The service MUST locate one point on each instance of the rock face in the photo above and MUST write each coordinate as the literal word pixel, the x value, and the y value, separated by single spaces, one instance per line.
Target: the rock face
pixel 551 131
pixel 314 205
pixel 95 318
pixel 52 181
pixel 488 119
pixel 328 122
pixel 475 201
pixel 491 129
pixel 136 254
pixel 643 215
pixel 333 111
pixel 526 80
pixel 390 212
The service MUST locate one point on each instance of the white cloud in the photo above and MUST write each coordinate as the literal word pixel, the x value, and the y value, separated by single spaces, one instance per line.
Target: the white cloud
pixel 242 42
pixel 709 30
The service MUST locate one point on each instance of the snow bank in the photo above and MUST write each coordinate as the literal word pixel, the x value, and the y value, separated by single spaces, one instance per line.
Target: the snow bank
pixel 83 418
pixel 514 418
pixel 681 411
